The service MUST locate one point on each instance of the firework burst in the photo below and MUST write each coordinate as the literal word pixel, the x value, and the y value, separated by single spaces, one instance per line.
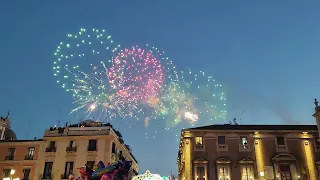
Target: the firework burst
pixel 80 67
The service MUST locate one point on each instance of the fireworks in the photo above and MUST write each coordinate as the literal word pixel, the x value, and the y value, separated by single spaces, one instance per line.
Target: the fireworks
pixel 139 82
pixel 196 100
pixel 80 67
pixel 207 98
pixel 138 73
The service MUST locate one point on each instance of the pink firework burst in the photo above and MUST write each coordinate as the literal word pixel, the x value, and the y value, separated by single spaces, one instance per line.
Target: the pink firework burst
pixel 137 73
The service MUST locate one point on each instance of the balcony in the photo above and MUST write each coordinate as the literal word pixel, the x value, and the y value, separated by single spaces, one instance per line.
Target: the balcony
pixel 282 148
pixel 51 149
pixel 222 147
pixel 71 149
pixel 92 148
pixel 199 147
pixel 28 157
pixel 47 177
pixel 9 158
pixel 244 148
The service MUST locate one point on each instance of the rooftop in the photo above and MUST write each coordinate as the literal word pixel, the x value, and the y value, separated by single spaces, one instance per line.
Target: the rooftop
pixel 6 141
pixel 257 127
pixel 87 128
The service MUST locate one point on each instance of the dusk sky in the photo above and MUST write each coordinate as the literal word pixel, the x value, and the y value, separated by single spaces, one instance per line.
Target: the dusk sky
pixel 265 53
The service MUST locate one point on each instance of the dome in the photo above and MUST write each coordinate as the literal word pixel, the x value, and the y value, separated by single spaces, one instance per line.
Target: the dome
pixel 7 135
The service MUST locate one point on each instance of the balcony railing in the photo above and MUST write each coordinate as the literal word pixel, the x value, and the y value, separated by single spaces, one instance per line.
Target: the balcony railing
pixel 10 158
pixel 199 147
pixel 51 149
pixel 222 147
pixel 71 149
pixel 47 176
pixel 92 148
pixel 244 147
pixel 282 148
pixel 28 157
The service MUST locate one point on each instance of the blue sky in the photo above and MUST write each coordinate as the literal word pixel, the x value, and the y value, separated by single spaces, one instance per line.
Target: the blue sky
pixel 265 53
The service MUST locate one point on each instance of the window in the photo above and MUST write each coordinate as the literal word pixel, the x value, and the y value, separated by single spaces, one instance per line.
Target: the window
pixel 31 153
pixel 200 173
pixel 120 155
pixel 244 140
pixel 246 172
pixel 92 145
pixel 71 147
pixel 6 173
pixel 223 172
pixel 52 144
pixel 11 152
pixel 70 144
pixel 113 148
pixel 68 169
pixel 26 174
pixel 280 140
pixel 199 140
pixel 90 164
pixel 221 140
pixel 47 170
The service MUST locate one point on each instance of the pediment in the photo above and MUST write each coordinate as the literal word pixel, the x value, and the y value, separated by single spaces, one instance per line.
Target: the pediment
pixel 246 161
pixel 200 161
pixel 223 161
pixel 284 157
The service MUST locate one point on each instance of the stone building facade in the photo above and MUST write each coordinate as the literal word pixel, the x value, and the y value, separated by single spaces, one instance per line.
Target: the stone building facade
pixel 227 152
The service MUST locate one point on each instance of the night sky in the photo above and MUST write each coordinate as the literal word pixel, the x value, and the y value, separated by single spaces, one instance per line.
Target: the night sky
pixel 265 53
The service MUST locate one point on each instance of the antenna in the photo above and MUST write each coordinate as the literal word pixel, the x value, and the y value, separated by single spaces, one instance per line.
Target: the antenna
pixel 60 117
pixel 29 123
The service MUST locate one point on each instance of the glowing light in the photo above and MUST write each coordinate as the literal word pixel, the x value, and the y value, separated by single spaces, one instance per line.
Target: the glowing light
pixel 191 116
pixel 148 176
pixel 92 107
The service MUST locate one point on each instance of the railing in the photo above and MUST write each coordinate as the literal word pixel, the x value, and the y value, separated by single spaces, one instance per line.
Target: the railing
pixel 28 157
pixel 222 147
pixel 199 147
pixel 92 148
pixel 71 131
pixel 282 148
pixel 71 149
pixel 244 147
pixel 88 128
pixel 51 149
pixel 10 158
pixel 47 176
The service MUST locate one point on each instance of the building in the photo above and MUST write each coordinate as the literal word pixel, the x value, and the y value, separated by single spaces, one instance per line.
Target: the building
pixel 233 152
pixel 18 158
pixel 5 132
pixel 67 148
pixel 316 115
